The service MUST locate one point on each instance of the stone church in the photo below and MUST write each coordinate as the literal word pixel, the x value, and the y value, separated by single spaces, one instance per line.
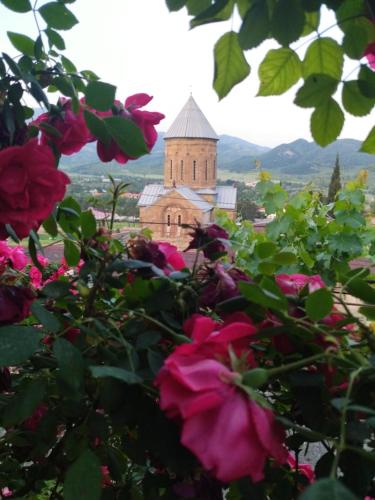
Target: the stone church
pixel 189 193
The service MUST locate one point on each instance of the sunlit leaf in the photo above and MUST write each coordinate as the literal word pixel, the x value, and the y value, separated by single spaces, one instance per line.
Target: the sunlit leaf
pixel 315 91
pixel 327 121
pixel 280 70
pixel 324 56
pixel 368 145
pixel 354 101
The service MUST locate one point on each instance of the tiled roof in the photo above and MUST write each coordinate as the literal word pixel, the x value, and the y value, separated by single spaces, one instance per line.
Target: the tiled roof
pixel 152 192
pixel 226 197
pixel 191 123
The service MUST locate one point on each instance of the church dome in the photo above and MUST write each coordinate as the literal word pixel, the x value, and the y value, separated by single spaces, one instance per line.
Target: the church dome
pixel 191 123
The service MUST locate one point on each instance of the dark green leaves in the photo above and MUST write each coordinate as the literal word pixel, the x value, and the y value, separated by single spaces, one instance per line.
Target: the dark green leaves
pixel 326 122
pixel 255 26
pixel 368 146
pixel 17 344
pixel 315 91
pixel 288 20
pixel 219 11
pixel 100 95
pixel 327 489
pixel 114 372
pixel 22 43
pixel 354 101
pixel 324 56
pixel 361 289
pixel 72 253
pixel 17 5
pixel 88 224
pixel 46 318
pixel 319 304
pixel 231 66
pixel 57 16
pixel 83 479
pixel 70 362
pixel 97 127
pixel 127 135
pixel 175 4
pixel 280 70
pixel 24 403
pixel 55 39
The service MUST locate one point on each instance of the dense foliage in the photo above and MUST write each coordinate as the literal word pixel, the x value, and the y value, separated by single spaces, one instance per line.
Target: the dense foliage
pixel 126 374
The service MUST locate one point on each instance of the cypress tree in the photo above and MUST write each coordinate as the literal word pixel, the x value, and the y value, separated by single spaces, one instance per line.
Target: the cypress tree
pixel 335 183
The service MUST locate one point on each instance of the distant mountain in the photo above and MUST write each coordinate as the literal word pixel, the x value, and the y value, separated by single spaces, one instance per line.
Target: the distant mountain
pixel 237 155
pixel 303 157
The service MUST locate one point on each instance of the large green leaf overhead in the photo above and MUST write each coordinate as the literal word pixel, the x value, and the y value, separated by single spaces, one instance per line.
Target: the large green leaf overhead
pixel 324 56
pixel 354 101
pixel 315 91
pixel 231 66
pixel 368 145
pixel 326 122
pixel 280 70
pixel 287 28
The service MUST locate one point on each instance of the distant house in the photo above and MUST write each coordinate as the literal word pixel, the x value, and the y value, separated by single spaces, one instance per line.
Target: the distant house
pixel 131 196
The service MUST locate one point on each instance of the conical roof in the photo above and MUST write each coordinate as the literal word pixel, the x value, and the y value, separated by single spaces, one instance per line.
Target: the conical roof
pixel 191 123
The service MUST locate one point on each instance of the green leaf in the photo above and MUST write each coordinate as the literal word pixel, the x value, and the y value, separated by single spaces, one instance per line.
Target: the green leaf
pixel 88 224
pixel 100 95
pixel 315 91
pixel 57 16
pixel 265 250
pixel 127 135
pixel 70 362
pixel 114 372
pixel 72 253
pixel 255 27
pixel 319 304
pixel 22 43
pixel 354 101
pixel 24 403
pixel 65 86
pixel 97 127
pixel 195 7
pixel 231 66
pixel 368 311
pixel 17 344
pixel 326 122
pixel 327 489
pixel 219 11
pixel 155 361
pixel 84 478
pixel 46 318
pixel 50 226
pixel 56 289
pixel 279 70
pixel 284 258
pixel 17 5
pixel 55 39
pixel 262 297
pixel 355 40
pixel 68 65
pixel 361 289
pixel 288 20
pixel 13 66
pixel 368 146
pixel 366 81
pixel 174 5
pixel 324 56
pixel 312 20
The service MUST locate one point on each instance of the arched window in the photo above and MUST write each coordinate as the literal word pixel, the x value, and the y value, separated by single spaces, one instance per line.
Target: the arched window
pixel 171 170
pixel 179 220
pixel 194 170
pixel 206 171
pixel 182 170
pixel 168 220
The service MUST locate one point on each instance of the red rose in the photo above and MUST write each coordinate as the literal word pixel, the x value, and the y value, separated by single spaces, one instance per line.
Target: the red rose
pixel 172 255
pixel 218 421
pixel 32 423
pixel 30 185
pixel 74 133
pixel 15 302
pixel 208 238
pixel 161 254
pixel 145 120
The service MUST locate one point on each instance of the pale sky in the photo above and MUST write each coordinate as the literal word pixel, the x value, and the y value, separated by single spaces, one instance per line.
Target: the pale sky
pixel 139 46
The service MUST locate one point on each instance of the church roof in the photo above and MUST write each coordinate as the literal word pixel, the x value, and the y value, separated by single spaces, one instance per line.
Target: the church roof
pixel 152 192
pixel 226 197
pixel 191 123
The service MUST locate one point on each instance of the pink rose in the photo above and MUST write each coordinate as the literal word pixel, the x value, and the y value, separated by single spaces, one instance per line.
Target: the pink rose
pixel 161 254
pixel 370 54
pixel 292 284
pixel 217 418
pixel 305 469
pixel 145 120
pixel 15 302
pixel 30 186
pixel 74 133
pixel 14 255
pixel 172 255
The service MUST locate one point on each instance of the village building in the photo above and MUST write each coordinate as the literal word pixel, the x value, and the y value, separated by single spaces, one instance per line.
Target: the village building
pixel 189 193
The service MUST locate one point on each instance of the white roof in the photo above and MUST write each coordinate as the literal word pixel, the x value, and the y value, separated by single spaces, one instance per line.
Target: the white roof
pixel 191 123
pixel 152 192
pixel 226 197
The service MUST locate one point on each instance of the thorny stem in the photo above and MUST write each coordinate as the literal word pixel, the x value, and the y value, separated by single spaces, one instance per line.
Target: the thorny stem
pixel 341 444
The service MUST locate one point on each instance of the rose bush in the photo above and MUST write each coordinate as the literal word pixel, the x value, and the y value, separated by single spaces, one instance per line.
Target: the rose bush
pixel 126 374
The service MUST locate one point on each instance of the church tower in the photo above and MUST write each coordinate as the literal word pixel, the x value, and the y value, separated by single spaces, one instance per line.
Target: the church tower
pixel 189 193
pixel 190 150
